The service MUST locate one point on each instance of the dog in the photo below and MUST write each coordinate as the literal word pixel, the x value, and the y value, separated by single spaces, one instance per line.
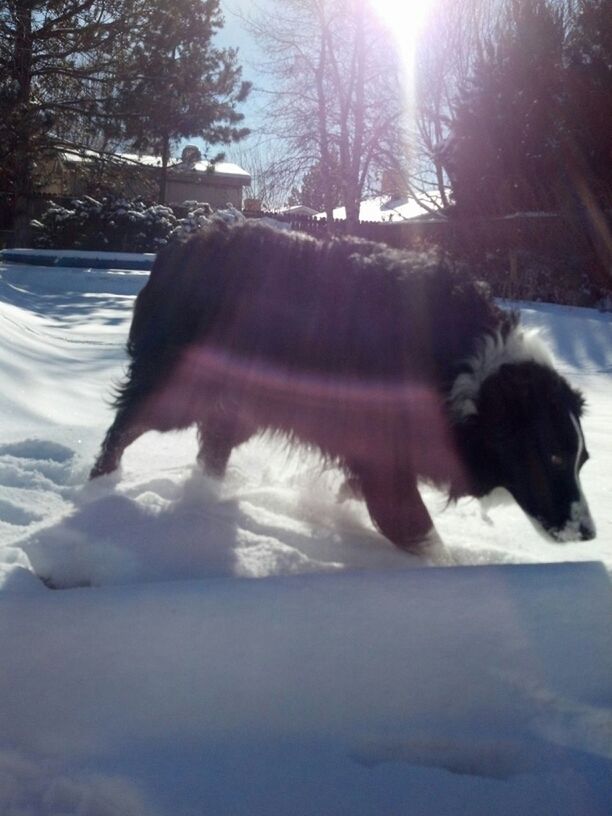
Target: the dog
pixel 392 364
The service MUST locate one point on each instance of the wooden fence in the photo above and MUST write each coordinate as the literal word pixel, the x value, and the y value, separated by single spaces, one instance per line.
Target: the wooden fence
pixel 535 256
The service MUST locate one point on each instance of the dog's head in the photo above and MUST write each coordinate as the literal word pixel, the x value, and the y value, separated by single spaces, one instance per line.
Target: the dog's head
pixel 530 429
pixel 525 436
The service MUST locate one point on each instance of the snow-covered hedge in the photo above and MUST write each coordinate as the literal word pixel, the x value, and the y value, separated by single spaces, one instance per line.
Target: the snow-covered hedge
pixel 200 214
pixel 119 225
pixel 110 224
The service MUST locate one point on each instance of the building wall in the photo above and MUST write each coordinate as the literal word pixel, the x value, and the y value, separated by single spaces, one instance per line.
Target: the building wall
pixel 217 195
pixel 67 179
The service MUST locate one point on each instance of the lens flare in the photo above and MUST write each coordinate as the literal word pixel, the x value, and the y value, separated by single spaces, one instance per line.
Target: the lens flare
pixel 404 20
pixel 404 17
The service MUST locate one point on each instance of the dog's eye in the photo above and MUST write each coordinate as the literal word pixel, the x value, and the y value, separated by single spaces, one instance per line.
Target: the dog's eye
pixel 556 460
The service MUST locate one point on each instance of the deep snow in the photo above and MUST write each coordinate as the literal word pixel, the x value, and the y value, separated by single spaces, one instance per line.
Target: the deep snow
pixel 279 511
pixel 497 681
pixel 403 692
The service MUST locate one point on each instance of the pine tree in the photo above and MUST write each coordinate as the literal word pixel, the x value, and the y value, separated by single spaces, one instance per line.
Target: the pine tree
pixel 313 189
pixel 143 69
pixel 504 153
pixel 174 83
pixel 589 116
pixel 55 56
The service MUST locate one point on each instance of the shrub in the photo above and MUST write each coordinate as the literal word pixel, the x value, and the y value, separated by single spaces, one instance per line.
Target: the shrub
pixel 115 225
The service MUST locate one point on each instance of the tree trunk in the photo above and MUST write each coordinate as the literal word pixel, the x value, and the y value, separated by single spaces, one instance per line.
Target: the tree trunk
pixel 163 176
pixel 24 193
pixel 354 187
pixel 350 91
pixel 24 182
pixel 326 162
pixel 352 208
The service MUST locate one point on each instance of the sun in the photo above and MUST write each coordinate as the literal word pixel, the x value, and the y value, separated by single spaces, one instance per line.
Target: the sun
pixel 402 15
pixel 405 21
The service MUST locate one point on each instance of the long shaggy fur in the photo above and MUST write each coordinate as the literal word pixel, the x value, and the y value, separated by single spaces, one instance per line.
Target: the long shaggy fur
pixel 374 356
pixel 346 308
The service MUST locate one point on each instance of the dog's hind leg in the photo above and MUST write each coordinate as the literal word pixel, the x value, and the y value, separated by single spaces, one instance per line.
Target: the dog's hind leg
pixel 395 505
pixel 218 435
pixel 124 430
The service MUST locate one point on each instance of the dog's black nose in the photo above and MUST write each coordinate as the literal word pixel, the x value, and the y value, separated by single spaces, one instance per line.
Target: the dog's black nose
pixel 587 532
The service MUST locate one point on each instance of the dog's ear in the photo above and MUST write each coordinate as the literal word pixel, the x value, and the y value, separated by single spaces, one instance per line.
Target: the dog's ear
pixel 512 382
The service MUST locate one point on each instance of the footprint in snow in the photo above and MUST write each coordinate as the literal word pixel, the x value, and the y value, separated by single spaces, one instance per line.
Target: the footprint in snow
pixel 36 464
pixel 489 757
pixel 17 516
pixel 40 449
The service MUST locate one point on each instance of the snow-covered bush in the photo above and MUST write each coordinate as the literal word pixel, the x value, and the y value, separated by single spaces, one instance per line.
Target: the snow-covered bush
pixel 192 204
pixel 109 224
pixel 542 277
pixel 200 214
pixel 119 225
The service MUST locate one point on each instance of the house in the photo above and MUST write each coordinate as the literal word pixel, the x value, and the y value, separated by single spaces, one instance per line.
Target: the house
pixel 384 208
pixel 75 172
pixel 298 209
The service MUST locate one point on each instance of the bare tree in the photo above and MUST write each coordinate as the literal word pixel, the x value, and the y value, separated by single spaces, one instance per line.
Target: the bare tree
pixel 268 185
pixel 447 48
pixel 336 98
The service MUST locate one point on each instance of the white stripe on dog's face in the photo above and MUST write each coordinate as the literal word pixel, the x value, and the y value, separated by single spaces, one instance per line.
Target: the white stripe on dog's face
pixel 580 447
pixel 580 516
pixel 579 525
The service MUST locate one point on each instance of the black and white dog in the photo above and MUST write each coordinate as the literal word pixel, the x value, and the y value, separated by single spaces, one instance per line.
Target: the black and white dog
pixel 390 363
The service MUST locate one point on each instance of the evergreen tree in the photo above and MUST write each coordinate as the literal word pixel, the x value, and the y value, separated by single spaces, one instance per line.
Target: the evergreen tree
pixel 85 69
pixel 174 84
pixel 55 56
pixel 589 115
pixel 504 152
pixel 313 189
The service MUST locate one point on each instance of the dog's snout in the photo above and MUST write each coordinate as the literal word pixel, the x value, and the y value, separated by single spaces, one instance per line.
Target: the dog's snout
pixel 586 532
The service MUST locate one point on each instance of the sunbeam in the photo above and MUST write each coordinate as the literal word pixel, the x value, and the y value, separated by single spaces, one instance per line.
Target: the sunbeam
pixel 404 19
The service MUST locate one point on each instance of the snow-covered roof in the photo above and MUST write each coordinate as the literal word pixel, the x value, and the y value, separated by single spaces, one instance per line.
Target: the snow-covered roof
pixel 81 155
pixel 383 208
pixel 224 169
pixel 219 168
pixel 298 209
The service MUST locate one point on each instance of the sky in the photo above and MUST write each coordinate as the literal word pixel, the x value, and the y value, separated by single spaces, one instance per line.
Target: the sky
pixel 234 35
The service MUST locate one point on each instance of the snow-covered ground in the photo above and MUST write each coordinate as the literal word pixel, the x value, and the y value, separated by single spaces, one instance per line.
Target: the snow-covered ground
pixel 63 333
pixel 386 208
pixel 167 685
